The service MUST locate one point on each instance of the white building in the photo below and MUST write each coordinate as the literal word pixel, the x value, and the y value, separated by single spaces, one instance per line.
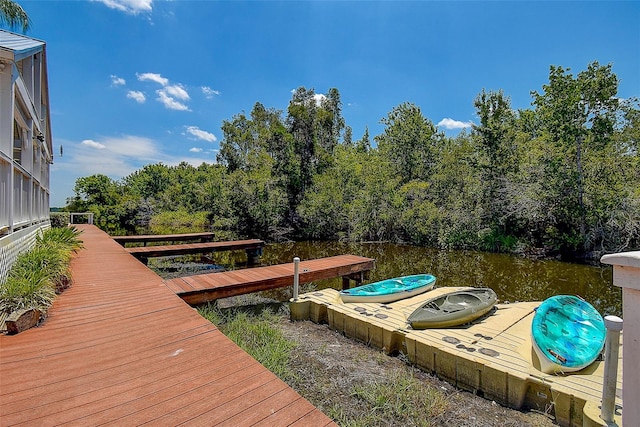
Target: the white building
pixel 26 150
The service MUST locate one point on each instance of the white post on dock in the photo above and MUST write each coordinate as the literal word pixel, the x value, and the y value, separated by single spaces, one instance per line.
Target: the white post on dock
pixel 626 274
pixel 296 277
pixel 611 352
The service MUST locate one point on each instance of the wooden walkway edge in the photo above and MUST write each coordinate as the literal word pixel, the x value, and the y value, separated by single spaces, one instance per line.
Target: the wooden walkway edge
pixel 120 348
pixel 146 238
pixel 252 247
pixel 201 288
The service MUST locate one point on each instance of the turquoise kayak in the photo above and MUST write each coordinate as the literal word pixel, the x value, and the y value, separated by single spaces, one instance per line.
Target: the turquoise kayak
pixel 390 290
pixel 568 334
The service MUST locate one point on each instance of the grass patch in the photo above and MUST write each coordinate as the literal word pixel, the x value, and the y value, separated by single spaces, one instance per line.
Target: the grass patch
pixel 399 396
pixel 255 334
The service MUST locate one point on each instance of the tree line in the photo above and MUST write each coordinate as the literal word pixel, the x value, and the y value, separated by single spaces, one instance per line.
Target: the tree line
pixel 561 178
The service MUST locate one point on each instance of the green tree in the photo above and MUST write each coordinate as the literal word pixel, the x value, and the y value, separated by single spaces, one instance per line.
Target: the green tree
pixel 407 141
pixel 456 189
pixel 497 160
pixel 13 16
pixel 257 202
pixel 578 117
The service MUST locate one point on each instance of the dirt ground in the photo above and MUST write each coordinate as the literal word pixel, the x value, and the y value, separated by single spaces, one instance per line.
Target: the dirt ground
pixel 328 365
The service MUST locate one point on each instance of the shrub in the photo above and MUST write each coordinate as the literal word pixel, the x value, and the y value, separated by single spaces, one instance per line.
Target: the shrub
pixel 59 219
pixel 38 274
pixel 32 290
pixel 65 238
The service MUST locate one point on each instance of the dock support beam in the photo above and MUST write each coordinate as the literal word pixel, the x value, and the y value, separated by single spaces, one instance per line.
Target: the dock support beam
pixel 626 274
pixel 358 277
pixel 253 256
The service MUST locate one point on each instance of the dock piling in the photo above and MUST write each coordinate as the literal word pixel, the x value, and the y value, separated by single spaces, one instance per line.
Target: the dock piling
pixel 296 277
pixel 611 351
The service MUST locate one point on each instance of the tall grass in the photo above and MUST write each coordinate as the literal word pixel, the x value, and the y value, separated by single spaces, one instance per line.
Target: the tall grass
pixel 256 335
pixel 38 274
pixel 400 396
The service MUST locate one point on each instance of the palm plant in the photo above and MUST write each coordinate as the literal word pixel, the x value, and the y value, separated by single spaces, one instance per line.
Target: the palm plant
pixel 13 15
pixel 66 237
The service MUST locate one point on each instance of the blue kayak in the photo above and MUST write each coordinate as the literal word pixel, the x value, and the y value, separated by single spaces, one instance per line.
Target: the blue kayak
pixel 390 290
pixel 568 334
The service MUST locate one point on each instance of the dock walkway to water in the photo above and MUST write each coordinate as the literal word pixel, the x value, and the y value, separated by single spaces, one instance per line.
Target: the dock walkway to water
pixel 211 286
pixel 148 238
pixel 492 356
pixel 120 348
pixel 253 247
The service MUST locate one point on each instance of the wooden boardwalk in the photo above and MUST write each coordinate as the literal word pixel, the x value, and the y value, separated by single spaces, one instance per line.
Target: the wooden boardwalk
pixel 147 238
pixel 120 348
pixel 207 287
pixel 252 247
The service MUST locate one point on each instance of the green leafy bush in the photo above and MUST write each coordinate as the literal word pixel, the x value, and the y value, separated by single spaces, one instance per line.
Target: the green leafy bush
pixel 38 274
pixel 59 219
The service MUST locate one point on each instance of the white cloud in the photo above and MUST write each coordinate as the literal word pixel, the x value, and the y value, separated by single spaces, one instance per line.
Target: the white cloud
pixel 195 150
pixel 208 92
pixel 136 96
pixel 201 134
pixel 117 81
pixel 448 123
pixel 193 161
pixel 93 144
pixel 132 7
pixel 319 98
pixel 170 102
pixel 177 91
pixel 154 77
pixel 171 95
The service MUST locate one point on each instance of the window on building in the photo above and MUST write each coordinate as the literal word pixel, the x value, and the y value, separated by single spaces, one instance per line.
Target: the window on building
pixel 18 142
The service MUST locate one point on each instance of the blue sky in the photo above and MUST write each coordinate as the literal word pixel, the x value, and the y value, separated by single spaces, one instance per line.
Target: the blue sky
pixel 133 82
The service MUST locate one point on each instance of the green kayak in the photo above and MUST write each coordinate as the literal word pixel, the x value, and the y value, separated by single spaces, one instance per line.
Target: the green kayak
pixel 453 309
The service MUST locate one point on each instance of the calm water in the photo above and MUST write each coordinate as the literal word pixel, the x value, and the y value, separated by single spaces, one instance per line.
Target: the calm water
pixel 512 278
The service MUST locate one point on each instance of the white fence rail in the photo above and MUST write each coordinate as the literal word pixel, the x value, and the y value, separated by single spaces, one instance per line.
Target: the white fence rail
pixel 14 244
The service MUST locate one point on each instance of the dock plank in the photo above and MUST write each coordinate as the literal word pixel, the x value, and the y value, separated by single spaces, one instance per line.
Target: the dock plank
pixel 119 347
pixel 211 286
pixel 147 238
pixel 194 248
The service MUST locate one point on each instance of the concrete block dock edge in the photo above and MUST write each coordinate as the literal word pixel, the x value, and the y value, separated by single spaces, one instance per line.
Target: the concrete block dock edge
pixel 492 357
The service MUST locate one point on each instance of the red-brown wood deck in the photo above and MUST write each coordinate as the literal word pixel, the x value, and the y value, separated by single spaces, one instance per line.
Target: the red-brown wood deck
pixel 120 348
pixel 146 238
pixel 145 252
pixel 207 287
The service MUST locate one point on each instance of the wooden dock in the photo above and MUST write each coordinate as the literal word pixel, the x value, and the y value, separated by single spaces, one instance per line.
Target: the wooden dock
pixel 253 247
pixel 493 356
pixel 208 287
pixel 148 238
pixel 120 348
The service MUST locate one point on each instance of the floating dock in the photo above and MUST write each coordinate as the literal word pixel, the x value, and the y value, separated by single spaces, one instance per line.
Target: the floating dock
pixel 492 357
